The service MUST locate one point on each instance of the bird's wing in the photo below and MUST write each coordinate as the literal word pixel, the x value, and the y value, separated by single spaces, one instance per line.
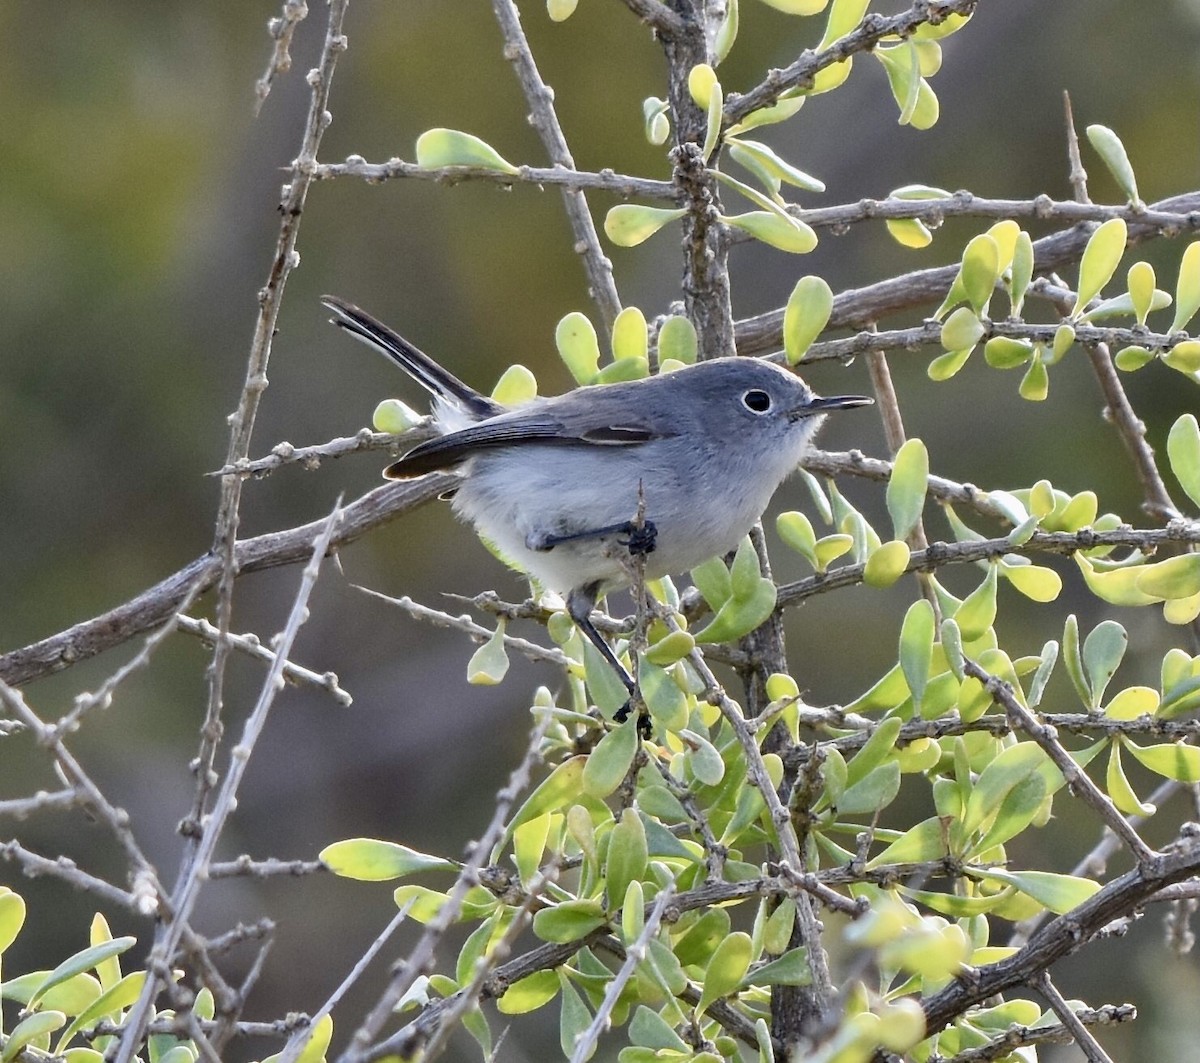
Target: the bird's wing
pixel 515 429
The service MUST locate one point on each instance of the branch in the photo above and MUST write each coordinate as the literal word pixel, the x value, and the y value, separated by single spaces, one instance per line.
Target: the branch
pixel 157 605
pixel 540 97
pixel 859 307
pixel 566 177
pixel 1066 934
pixel 868 33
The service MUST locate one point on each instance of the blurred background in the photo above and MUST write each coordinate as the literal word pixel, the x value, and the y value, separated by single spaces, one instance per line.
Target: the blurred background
pixel 138 196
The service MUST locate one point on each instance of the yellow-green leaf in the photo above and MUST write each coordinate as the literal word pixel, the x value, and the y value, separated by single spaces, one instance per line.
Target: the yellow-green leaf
pixel 909 232
pixel 1187 288
pixel 628 224
pixel 1184 356
pixel 1003 352
pixel 627 856
pixel 726 969
pixel 1173 760
pixel 1035 384
pixel 916 647
pixel 1059 893
pixel 609 762
pixel 906 487
pixel 629 334
pixel 886 564
pixel 12 917
pixel 980 270
pixel 1177 577
pixel 1183 452
pixel 962 329
pixel 1100 259
pixel 806 314
pixel 779 230
pixel 1119 789
pixel 578 347
pixel 1141 282
pixel 944 366
pixel 452 147
pixel 393 416
pixel 1131 703
pixel 1109 147
pixel 372 860
pixel 489 664
pixel 677 340
pixel 568 921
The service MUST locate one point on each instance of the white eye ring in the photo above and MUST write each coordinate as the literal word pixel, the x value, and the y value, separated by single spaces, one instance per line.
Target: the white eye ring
pixel 757 401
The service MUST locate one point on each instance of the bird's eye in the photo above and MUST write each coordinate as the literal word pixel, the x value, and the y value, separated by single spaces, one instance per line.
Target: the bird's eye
pixel 756 401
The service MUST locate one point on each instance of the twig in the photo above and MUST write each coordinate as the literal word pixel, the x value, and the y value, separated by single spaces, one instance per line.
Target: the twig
pixel 1058 1004
pixel 1067 933
pixel 540 98
pixel 859 307
pixel 573 180
pixel 195 872
pixel 656 15
pixel 251 646
pixel 634 954
pixel 281 29
pixel 1079 781
pixel 465 624
pixel 65 869
pixel 408 1039
pixel 291 1051
pixel 865 36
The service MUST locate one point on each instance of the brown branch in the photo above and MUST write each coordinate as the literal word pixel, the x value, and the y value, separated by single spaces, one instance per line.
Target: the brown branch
pixel 158 604
pixel 1066 934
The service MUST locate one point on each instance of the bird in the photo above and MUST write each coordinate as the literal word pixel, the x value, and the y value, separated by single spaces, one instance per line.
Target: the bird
pixel 671 469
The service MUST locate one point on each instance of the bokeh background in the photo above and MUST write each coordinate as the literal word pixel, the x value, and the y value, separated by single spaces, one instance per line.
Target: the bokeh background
pixel 138 195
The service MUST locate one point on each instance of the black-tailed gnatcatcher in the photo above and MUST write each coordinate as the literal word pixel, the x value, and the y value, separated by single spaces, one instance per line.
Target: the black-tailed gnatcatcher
pixel 554 485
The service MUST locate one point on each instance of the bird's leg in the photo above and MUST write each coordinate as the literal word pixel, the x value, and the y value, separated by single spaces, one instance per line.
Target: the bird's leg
pixel 579 607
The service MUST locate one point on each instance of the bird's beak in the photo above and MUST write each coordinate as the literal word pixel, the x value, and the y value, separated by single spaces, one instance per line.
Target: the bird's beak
pixel 817 404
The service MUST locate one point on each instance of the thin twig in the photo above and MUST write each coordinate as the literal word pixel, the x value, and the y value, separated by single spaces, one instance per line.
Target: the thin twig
pixel 1088 1045
pixel 195 873
pixel 542 117
pixel 281 29
pixel 1079 781
pixel 635 952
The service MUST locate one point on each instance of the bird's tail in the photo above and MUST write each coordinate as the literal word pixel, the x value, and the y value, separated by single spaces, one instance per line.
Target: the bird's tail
pixel 440 382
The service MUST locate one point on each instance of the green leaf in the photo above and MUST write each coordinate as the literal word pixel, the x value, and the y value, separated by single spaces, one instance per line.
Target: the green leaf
pixel 1187 288
pixel 702 757
pixel 760 158
pixel 664 700
pixel 29 1030
pixel 1003 352
pixel 1177 577
pixel 1183 452
pixel 516 386
pixel 575 337
pixel 1059 893
pixel 627 856
pixel 1116 586
pixel 1110 149
pixel 629 224
pixel 886 563
pixel 906 487
pixel 1074 661
pixel 1037 685
pixel 980 271
pixel 529 993
pixel 875 791
pixel 1119 788
pixel 909 232
pixel 962 330
pixel 1011 767
pixel 672 647
pixel 677 340
pixel 609 762
pixel 451 147
pixel 1035 384
pixel 727 33
pixel 926 841
pixel 624 369
pixel 916 647
pixel 110 1003
pixel 82 961
pixel 1022 271
pixel 779 230
pixel 393 416
pixel 978 610
pixel 1173 760
pixel 629 338
pixel 1132 358
pixel 1103 650
pixel 12 916
pixel 806 314
pixel 1183 356
pixel 650 1030
pixel 489 664
pixel 371 860
pixel 716 113
pixel 790 969
pixel 726 969
pixel 701 81
pixel 1100 259
pixel 569 921
pixel 1141 283
pixel 797 7
pixel 556 793
pixel 738 617
pixel 876 748
pixel 1035 582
